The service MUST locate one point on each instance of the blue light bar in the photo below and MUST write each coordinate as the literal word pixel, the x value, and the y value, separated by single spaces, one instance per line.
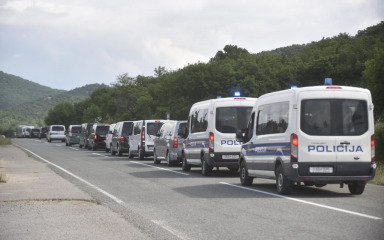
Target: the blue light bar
pixel 237 94
pixel 293 86
pixel 328 81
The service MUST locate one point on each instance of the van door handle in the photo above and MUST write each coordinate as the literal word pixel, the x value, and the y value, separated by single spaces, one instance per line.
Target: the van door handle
pixel 346 143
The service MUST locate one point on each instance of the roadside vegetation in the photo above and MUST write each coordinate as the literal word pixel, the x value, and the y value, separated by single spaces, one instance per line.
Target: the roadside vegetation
pixel 5 141
pixel 379 154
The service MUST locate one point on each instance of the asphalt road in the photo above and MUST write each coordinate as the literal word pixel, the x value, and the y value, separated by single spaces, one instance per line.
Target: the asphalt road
pixel 167 202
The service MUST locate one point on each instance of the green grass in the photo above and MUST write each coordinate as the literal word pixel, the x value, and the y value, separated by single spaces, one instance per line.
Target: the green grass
pixel 6 141
pixel 379 177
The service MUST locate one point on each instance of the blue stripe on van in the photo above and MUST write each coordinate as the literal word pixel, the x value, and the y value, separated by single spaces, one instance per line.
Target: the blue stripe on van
pixel 197 143
pixel 270 149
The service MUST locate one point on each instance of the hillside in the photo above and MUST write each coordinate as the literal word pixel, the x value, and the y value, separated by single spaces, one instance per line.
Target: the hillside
pixel 15 90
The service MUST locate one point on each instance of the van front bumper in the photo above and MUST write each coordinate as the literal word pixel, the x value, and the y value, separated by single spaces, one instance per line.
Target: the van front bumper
pixel 223 159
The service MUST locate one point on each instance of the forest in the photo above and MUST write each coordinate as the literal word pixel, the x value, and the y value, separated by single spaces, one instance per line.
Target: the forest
pixel 349 60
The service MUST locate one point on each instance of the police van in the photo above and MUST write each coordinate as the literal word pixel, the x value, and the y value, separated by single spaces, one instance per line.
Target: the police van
pixel 141 137
pixel 210 136
pixel 313 135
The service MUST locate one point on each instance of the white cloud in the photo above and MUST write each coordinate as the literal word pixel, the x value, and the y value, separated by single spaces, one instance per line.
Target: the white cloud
pixel 66 44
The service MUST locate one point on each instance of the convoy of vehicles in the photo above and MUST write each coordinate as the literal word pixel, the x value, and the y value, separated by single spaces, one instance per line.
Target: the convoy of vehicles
pixel 312 135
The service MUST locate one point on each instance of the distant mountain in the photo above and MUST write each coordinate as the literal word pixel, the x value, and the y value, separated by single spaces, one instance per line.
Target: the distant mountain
pixel 15 90
pixel 26 102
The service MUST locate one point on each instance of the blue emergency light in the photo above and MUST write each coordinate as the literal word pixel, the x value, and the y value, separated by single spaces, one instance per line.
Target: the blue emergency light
pixel 237 94
pixel 328 81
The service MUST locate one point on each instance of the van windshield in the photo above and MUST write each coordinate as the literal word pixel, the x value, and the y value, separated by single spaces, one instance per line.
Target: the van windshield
pixel 228 119
pixel 126 127
pixel 334 117
pixel 102 130
pixel 57 128
pixel 153 128
pixel 76 129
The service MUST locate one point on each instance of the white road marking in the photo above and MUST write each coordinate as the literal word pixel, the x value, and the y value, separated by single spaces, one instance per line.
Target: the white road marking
pixel 305 202
pixel 114 198
pixel 170 229
pixel 165 169
pixel 98 154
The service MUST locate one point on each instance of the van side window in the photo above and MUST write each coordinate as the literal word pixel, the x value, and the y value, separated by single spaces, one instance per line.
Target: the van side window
pixel 272 118
pixel 136 129
pixel 199 121
pixel 251 126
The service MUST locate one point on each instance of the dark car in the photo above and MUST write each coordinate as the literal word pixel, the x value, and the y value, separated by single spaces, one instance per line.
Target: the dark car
pixel 120 137
pixel 85 131
pixel 98 135
pixel 34 133
pixel 43 132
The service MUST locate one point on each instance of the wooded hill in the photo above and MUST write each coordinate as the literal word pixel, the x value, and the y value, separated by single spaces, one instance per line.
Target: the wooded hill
pixel 350 60
pixel 25 102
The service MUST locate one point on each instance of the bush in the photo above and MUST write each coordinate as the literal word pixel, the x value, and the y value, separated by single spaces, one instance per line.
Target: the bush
pixel 379 142
pixel 5 141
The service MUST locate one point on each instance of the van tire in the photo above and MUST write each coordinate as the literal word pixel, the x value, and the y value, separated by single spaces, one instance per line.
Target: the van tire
pixel 119 153
pixel 283 185
pixel 206 169
pixel 141 154
pixel 155 160
pixel 185 166
pixel 130 155
pixel 357 188
pixel 168 159
pixel 245 179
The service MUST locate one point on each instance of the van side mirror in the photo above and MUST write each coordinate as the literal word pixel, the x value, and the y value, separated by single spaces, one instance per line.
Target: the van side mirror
pixel 239 135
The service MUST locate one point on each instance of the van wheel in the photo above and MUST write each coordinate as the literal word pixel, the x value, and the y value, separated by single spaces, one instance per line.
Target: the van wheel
pixel 169 163
pixel 130 155
pixel 155 160
pixel 141 154
pixel 119 153
pixel 357 188
pixel 284 186
pixel 185 166
pixel 112 152
pixel 245 179
pixel 206 170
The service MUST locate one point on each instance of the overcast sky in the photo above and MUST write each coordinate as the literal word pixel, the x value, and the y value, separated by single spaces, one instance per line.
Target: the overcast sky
pixel 65 44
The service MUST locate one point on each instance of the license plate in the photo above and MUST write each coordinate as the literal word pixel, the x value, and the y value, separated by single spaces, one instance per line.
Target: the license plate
pixel 230 157
pixel 321 169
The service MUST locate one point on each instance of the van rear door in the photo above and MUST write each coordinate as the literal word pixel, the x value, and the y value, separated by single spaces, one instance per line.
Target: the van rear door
pixel 335 139
pixel 353 138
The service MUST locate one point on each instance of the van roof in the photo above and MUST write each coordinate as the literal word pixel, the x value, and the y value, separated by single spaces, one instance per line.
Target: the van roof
pixel 227 99
pixel 318 88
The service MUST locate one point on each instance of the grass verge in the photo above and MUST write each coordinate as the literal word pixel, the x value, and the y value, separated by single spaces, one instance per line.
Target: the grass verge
pixel 5 141
pixel 379 177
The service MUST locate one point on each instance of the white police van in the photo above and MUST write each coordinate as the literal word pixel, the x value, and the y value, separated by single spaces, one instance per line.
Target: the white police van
pixel 210 136
pixel 313 135
pixel 141 137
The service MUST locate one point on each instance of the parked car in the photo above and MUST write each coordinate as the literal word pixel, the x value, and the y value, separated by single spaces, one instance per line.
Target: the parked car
pixel 168 144
pixel 120 143
pixel 73 135
pixel 56 132
pixel 97 137
pixel 85 131
pixel 108 139
pixel 27 131
pixel 141 137
pixel 34 133
pixel 43 132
